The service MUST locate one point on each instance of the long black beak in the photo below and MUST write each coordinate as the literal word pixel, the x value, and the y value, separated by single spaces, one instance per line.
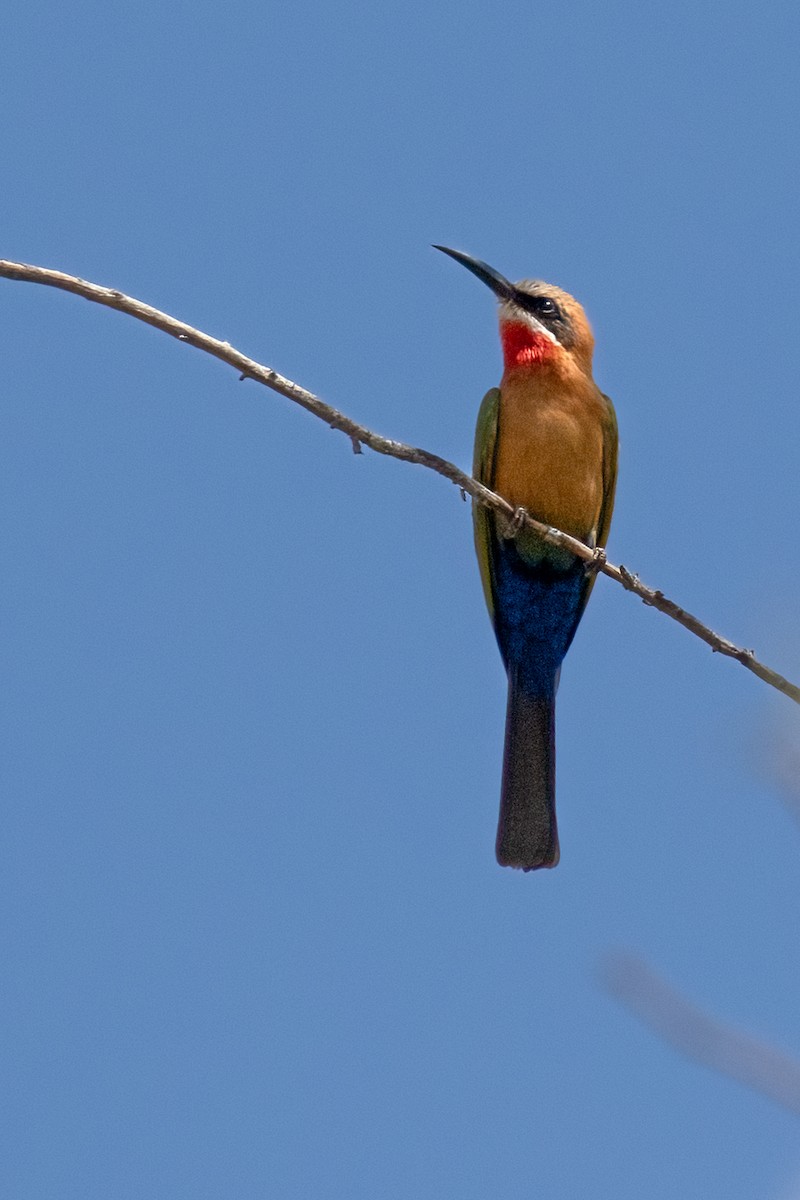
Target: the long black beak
pixel 493 279
pixel 501 287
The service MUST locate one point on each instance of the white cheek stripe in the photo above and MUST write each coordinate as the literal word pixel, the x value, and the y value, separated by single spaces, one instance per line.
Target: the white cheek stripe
pixel 510 312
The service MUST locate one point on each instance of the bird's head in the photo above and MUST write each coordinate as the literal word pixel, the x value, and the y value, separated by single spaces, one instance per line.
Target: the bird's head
pixel 540 325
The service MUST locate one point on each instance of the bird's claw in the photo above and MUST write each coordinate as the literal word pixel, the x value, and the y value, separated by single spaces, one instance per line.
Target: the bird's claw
pixel 596 562
pixel 517 520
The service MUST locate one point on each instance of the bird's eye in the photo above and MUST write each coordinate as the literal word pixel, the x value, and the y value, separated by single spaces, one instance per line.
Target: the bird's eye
pixel 539 306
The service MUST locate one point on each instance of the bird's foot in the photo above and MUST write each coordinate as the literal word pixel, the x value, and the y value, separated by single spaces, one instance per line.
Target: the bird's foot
pixel 596 563
pixel 516 522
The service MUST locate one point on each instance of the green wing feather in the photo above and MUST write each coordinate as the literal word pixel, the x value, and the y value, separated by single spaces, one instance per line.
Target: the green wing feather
pixel 483 470
pixel 610 456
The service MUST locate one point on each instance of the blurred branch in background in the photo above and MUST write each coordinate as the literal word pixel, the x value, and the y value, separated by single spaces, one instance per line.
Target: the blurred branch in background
pixel 361 436
pixel 723 1048
pixel 781 758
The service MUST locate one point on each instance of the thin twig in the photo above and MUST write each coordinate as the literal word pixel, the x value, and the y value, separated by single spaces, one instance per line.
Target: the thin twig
pixel 360 436
pixel 725 1049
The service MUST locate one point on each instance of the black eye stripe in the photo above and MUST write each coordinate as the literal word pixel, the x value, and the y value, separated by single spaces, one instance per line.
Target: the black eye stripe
pixel 548 311
pixel 539 306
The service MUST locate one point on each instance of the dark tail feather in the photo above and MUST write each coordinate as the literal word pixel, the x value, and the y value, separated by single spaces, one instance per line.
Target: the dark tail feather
pixel 527 836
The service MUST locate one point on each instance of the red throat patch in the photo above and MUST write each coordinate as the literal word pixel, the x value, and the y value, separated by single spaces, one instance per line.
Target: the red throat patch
pixel 523 346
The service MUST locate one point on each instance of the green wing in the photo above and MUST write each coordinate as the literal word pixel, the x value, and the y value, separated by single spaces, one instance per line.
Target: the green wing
pixel 483 470
pixel 610 455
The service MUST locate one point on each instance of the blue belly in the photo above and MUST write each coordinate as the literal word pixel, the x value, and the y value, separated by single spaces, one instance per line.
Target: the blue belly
pixel 537 610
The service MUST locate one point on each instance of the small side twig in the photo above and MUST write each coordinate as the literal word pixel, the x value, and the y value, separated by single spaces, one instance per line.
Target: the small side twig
pixel 360 436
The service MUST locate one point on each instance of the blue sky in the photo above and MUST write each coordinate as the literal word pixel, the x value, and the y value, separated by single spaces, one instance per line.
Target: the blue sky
pixel 254 940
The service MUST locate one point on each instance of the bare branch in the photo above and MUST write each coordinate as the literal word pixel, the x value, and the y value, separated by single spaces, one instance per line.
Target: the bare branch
pixel 725 1049
pixel 360 436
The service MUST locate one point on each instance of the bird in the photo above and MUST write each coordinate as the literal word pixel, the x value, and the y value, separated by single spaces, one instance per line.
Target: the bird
pixel 546 440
